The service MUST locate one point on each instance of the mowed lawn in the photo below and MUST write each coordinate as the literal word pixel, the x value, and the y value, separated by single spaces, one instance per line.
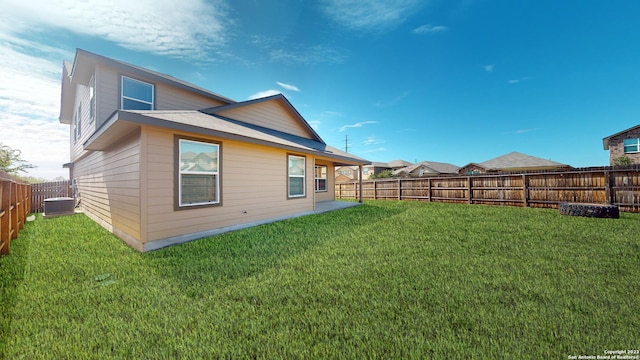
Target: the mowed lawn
pixel 384 280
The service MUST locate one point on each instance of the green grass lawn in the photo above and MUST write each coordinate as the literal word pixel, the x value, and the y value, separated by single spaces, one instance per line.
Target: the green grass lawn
pixel 384 280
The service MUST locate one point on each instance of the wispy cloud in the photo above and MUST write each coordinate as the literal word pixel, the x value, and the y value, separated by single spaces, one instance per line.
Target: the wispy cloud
pixel 521 131
pixel 372 140
pixel 379 149
pixel 392 101
pixel 370 14
pixel 517 81
pixel 193 29
pixel 429 29
pixel 489 68
pixel 288 86
pixel 307 55
pixel 265 93
pixel 357 125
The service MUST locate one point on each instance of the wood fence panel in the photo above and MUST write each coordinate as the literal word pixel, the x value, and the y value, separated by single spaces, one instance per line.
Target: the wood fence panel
pixel 15 206
pixel 603 185
pixel 54 189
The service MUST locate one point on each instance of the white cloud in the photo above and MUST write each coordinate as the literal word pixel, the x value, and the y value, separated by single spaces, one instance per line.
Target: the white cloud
pixel 516 81
pixel 429 29
pixel 30 103
pixel 489 68
pixel 372 140
pixel 370 14
pixel 265 93
pixel 309 55
pixel 166 27
pixel 288 86
pixel 393 101
pixel 380 149
pixel 357 125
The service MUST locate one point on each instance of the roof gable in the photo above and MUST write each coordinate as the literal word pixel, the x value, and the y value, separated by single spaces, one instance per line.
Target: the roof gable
pixel 275 112
pixel 516 160
pixel 605 141
pixel 84 64
pixel 430 167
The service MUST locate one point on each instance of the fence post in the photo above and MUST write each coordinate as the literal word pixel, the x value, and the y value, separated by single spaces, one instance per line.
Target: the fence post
pixel 469 195
pixel 607 186
pixel 525 190
pixel 5 200
pixel 429 189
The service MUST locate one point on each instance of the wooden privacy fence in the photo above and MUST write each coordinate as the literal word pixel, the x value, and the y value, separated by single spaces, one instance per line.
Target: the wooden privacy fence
pixel 606 185
pixel 15 205
pixel 48 190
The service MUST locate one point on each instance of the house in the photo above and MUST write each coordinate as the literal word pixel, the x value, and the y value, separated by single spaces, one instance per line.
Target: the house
pixel 159 161
pixel 624 143
pixel 427 168
pixel 346 173
pixel 512 162
pixel 376 168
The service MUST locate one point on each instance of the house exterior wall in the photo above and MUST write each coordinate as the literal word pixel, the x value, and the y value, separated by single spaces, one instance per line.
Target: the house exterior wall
pixel 242 200
pixel 331 183
pixel 269 114
pixel 472 169
pixel 108 187
pixel 616 146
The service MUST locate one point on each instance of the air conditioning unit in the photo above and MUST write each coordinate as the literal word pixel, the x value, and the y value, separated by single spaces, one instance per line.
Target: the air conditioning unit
pixel 58 206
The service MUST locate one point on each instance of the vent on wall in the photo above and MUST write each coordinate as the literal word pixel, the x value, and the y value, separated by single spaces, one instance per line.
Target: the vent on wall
pixel 58 206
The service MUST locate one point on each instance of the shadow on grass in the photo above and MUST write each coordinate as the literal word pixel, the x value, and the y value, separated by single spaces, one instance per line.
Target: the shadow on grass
pixel 219 260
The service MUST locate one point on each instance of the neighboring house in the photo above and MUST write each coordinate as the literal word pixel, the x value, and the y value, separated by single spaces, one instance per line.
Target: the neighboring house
pixel 346 173
pixel 159 161
pixel 376 168
pixel 427 168
pixel 624 143
pixel 512 162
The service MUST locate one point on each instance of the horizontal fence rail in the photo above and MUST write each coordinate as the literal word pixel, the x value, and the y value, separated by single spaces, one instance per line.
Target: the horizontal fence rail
pixel 54 189
pixel 15 205
pixel 604 185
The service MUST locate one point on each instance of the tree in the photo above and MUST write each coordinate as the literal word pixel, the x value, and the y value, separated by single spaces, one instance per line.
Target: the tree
pixel 384 174
pixel 11 161
pixel 622 161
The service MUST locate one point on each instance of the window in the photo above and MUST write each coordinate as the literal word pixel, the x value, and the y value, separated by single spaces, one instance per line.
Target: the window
pixel 136 95
pixel 631 145
pixel 365 171
pixel 321 178
pixel 76 124
pixel 198 173
pixel 296 170
pixel 92 98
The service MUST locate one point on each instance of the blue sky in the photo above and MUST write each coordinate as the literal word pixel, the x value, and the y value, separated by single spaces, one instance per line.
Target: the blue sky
pixel 441 80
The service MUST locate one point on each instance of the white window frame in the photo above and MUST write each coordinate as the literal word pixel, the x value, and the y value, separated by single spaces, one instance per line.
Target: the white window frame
pixel 123 97
pixel 636 144
pixel 297 176
pixel 317 179
pixel 215 174
pixel 92 98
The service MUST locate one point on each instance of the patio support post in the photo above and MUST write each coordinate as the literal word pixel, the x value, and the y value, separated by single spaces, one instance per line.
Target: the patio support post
pixel 360 181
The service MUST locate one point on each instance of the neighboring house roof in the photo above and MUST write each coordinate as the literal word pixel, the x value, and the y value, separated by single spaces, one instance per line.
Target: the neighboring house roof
pixel 279 98
pixel 398 163
pixel 432 166
pixel 122 122
pixel 605 141
pixel 83 67
pixel 391 164
pixel 516 160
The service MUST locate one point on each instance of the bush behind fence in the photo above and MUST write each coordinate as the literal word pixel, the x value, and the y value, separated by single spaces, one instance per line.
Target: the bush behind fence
pixel 604 185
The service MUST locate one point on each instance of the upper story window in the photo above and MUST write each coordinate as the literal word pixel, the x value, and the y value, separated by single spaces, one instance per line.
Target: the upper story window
pixel 631 145
pixel 136 95
pixel 92 98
